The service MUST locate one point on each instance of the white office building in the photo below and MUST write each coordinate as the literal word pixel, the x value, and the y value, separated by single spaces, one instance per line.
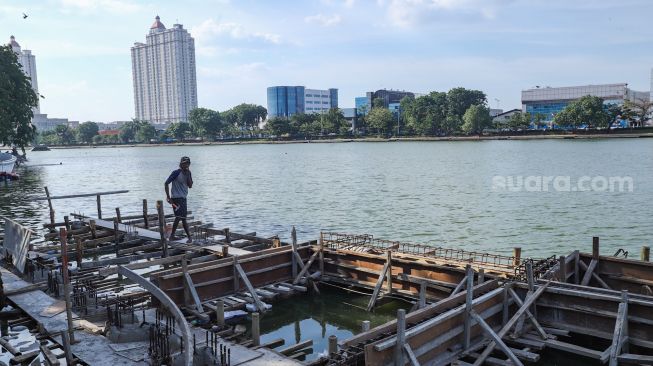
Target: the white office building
pixel 320 101
pixel 28 63
pixel 163 71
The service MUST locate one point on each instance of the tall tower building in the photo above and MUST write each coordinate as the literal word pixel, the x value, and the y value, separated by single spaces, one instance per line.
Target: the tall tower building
pixel 28 63
pixel 163 70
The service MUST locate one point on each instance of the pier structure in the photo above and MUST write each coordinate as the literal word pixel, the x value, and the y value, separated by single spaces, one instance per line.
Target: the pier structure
pixel 117 287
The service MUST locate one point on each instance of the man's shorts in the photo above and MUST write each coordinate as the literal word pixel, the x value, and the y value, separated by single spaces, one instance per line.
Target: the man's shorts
pixel 181 210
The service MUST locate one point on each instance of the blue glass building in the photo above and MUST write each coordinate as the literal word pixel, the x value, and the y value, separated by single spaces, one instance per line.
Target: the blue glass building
pixel 284 101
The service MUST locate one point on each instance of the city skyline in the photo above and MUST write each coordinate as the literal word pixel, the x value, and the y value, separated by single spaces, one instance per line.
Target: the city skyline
pixel 499 47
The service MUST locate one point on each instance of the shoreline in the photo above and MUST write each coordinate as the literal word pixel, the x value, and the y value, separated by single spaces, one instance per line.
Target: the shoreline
pixel 375 139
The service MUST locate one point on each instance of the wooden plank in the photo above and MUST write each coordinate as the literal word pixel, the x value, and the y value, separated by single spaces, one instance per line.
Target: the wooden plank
pixel 496 339
pixel 305 269
pixel 459 287
pixel 259 305
pixel 620 335
pixel 377 287
pixel 296 347
pixel 193 292
pixel 411 355
pixel 529 301
pixel 595 276
pixel 629 358
pixel 588 272
pixel 572 348
pixel 530 316
pixel 79 195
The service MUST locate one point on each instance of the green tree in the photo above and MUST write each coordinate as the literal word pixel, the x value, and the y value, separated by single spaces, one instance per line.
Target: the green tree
pixel 65 134
pixel 248 116
pixel 278 126
pixel 381 120
pixel 519 121
pixel 333 121
pixel 17 98
pixel 87 131
pixel 98 139
pixel 425 115
pixel 378 103
pixel 304 124
pixel 145 132
pixel 639 110
pixel 586 110
pixel 128 130
pixel 460 99
pixel 177 130
pixel 476 119
pixel 205 122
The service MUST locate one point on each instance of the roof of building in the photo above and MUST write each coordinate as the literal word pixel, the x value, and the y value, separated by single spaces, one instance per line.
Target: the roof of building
pixel 109 132
pixel 12 42
pixel 157 24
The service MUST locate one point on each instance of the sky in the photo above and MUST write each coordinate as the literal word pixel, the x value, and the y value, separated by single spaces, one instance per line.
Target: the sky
pixel 501 47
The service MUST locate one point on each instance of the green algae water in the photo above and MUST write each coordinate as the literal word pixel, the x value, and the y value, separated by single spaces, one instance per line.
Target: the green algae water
pixel 334 312
pixel 439 193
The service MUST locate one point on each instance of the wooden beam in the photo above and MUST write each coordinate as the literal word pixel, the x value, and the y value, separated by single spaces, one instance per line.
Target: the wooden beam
pixel 529 301
pixel 496 339
pixel 377 287
pixel 468 308
pixel 530 316
pixel 595 276
pixel 619 338
pixel 411 355
pixel 588 272
pixel 306 267
pixel 259 305
pixel 459 287
pixel 48 197
pixel 401 335
pixel 389 276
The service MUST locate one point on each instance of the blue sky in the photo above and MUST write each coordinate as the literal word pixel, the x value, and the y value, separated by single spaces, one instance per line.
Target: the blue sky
pixel 243 46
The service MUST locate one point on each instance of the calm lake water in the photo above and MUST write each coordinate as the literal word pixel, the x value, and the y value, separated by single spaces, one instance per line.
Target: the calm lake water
pixel 441 193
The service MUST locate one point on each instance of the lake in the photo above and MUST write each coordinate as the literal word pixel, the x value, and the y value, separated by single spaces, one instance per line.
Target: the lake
pixel 547 196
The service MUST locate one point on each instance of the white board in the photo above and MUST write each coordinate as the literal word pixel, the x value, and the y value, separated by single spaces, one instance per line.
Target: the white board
pixel 16 243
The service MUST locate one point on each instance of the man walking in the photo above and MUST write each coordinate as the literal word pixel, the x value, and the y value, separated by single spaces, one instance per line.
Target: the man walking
pixel 181 180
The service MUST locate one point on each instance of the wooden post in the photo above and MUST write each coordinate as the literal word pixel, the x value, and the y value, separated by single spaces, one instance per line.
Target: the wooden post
pixel 63 237
pixel 333 344
pixel 79 251
pixel 91 224
pixel 145 219
pixel 116 235
pixel 236 283
pixel 118 214
pixel 469 298
pixel 620 334
pixel 563 269
pixel 645 254
pixel 422 294
pixel 99 206
pixel 401 337
pixel 481 275
pixel 595 248
pixel 227 237
pixel 389 273
pixel 162 228
pixel 184 270
pixel 47 194
pixel 576 267
pixel 219 312
pixel 529 276
pixel 321 254
pixel 256 330
pixel 66 221
pixel 66 341
pixel 365 326
pixel 516 252
pixel 293 235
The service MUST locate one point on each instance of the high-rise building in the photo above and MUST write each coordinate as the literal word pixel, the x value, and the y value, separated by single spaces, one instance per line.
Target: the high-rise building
pixel 28 63
pixel 285 101
pixel 651 91
pixel 163 70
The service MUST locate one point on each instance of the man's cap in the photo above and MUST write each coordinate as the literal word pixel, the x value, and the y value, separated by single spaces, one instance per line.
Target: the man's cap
pixel 185 159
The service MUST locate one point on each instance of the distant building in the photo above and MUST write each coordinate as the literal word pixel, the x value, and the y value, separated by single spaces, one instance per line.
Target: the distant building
pixel 164 75
pixel 28 62
pixel 285 101
pixel 363 105
pixel 504 117
pixel 495 112
pixel 43 123
pixel 651 91
pixel 388 97
pixel 550 101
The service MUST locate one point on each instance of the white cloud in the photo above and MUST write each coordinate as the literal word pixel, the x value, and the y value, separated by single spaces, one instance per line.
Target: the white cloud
pixel 210 28
pixel 407 13
pixel 111 6
pixel 324 20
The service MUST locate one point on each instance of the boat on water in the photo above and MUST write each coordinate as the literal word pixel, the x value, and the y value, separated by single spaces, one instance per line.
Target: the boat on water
pixel 41 148
pixel 7 165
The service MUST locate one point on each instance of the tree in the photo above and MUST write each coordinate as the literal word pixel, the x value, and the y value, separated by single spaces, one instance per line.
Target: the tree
pixel 278 126
pixel 460 99
pixel 425 115
pixel 452 125
pixel 177 130
pixel 87 131
pixel 476 119
pixel 128 130
pixel 333 121
pixel 639 110
pixel 381 120
pixel 248 116
pixel 586 110
pixel 205 122
pixel 17 98
pixel 65 134
pixel 304 124
pixel 519 121
pixel 145 132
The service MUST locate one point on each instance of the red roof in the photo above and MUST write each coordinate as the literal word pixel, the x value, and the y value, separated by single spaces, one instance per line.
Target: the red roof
pixel 157 24
pixel 109 132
